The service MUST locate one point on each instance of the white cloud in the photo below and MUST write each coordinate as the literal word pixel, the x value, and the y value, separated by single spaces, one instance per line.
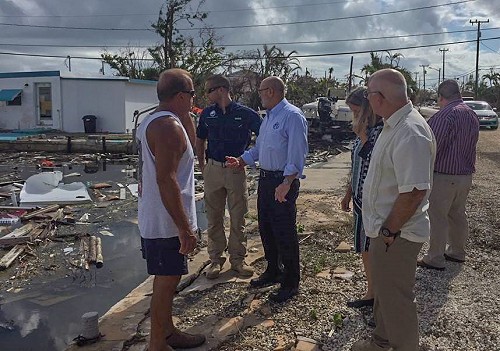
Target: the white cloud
pixel 106 14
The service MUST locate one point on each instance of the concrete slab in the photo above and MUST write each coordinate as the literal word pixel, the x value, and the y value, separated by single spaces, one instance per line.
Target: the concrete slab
pixel 329 175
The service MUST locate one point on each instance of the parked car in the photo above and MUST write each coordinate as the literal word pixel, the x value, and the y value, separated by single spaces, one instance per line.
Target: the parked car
pixel 487 115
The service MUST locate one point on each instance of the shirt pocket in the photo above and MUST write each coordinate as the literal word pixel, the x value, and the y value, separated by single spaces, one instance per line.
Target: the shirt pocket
pixel 236 131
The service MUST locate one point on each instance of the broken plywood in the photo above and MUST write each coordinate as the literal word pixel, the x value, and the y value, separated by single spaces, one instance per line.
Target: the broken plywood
pixel 7 260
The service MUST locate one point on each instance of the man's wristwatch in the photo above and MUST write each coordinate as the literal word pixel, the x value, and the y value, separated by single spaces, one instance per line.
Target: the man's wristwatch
pixel 286 181
pixel 387 233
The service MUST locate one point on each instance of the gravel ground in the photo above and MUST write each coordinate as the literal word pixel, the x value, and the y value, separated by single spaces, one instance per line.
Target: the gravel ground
pixel 458 308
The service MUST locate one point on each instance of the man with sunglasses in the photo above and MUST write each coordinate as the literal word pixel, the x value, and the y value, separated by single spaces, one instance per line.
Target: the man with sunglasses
pixel 227 126
pixel 167 213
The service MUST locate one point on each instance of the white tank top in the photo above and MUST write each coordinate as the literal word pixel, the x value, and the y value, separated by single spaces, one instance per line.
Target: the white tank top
pixel 154 220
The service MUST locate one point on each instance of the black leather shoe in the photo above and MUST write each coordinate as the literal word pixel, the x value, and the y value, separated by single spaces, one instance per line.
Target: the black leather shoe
pixel 265 279
pixel 453 259
pixel 283 294
pixel 360 303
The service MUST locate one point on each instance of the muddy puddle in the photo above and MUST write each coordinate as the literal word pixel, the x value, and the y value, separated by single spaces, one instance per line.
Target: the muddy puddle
pixel 43 311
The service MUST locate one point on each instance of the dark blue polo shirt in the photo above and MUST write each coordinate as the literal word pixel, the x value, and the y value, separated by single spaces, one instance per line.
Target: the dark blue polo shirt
pixel 227 134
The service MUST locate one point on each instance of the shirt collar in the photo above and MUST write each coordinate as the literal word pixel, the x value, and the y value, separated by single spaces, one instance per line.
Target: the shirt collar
pixel 278 107
pixel 453 103
pixel 229 107
pixel 397 116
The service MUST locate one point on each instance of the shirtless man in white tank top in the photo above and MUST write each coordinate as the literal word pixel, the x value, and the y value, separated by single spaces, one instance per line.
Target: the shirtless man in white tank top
pixel 167 215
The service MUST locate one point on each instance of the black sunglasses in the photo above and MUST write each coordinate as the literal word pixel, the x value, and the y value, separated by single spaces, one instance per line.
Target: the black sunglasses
pixel 190 92
pixel 212 89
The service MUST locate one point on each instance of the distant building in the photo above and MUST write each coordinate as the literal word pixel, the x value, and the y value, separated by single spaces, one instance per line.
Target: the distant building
pixel 52 100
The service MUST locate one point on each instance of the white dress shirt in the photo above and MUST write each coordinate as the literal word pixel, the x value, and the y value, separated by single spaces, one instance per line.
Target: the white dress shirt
pixel 402 159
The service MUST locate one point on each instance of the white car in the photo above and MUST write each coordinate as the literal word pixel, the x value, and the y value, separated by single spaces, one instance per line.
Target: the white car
pixel 486 114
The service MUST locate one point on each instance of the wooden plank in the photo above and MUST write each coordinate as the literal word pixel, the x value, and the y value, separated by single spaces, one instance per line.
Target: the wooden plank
pixel 14 208
pixel 7 260
pixel 50 208
pixel 9 182
pixel 19 235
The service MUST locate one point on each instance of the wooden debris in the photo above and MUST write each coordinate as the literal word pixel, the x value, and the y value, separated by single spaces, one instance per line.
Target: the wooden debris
pixel 58 215
pixel 100 186
pixel 41 211
pixel 38 231
pixel 18 236
pixel 9 182
pixel 7 260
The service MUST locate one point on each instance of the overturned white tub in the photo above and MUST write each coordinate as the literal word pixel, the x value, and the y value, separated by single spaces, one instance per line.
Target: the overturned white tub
pixel 46 188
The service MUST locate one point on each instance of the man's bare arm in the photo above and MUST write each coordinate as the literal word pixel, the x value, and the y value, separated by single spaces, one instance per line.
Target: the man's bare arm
pixel 188 124
pixel 201 145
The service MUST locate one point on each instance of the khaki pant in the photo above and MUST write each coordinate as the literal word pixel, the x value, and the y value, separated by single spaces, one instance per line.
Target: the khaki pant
pixel 393 274
pixel 449 227
pixel 223 183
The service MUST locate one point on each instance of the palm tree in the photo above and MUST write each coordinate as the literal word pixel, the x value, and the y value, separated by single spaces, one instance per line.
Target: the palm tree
pixel 493 77
pixel 394 58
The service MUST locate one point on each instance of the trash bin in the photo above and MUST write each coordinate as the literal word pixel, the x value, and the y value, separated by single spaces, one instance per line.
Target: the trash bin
pixel 89 123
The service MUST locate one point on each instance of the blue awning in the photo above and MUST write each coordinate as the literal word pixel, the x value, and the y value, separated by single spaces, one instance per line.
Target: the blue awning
pixel 9 94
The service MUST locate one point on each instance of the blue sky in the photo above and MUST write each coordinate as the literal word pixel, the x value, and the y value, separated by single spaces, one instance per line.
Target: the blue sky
pixel 332 27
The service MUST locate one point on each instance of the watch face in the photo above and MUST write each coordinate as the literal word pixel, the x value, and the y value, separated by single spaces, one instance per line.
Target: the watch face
pixel 386 232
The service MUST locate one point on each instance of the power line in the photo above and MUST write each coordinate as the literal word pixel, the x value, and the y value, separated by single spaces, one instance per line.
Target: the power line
pixel 208 11
pixel 245 26
pixel 486 46
pixel 257 44
pixel 338 18
pixel 295 56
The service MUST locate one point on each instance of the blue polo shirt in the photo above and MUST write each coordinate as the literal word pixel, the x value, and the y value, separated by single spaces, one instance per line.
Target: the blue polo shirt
pixel 227 134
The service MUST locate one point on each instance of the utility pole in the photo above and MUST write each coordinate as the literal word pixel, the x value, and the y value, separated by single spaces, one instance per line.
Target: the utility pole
pixel 350 74
pixel 477 52
pixel 443 51
pixel 416 77
pixel 424 71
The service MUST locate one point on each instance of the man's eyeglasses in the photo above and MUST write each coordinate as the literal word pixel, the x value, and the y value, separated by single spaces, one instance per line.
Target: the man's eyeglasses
pixel 190 92
pixel 263 89
pixel 212 89
pixel 367 92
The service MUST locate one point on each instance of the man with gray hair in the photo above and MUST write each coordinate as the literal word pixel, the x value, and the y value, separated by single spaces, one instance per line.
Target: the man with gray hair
pixel 281 149
pixel 395 201
pixel 456 128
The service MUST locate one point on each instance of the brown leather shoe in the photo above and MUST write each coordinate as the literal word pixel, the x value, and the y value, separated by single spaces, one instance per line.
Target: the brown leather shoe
pixel 183 340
